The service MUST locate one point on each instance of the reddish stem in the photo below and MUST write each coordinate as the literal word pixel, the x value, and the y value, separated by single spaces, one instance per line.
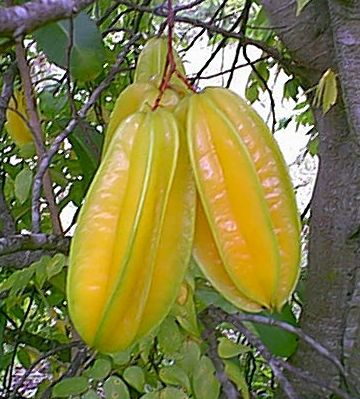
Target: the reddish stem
pixel 170 64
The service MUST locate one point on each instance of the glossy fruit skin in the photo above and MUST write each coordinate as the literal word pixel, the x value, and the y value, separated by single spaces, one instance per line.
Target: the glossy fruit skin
pixel 136 97
pixel 246 206
pixel 119 259
pixel 16 126
pixel 151 64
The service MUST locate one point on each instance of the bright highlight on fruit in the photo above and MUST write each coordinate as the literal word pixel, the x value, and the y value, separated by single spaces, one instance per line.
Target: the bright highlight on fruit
pixel 134 234
pixel 247 220
pixel 181 172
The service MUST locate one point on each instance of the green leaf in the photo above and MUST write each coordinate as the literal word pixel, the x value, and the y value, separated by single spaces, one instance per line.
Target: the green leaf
pixel 313 145
pixel 189 356
pixel 3 323
pixel 330 91
pixel 232 369
pixel 186 315
pixel 90 394
pixel 135 377
pixel 252 92
pixel 326 91
pixel 115 388
pixel 291 88
pixel 99 370
pixel 55 266
pixel 277 340
pixel 228 349
pixel 121 358
pixel 301 5
pixel 41 388
pixel 205 384
pixel 169 336
pixel 88 52
pixel 70 386
pixel 87 142
pixel 173 393
pixel 18 281
pixel 174 375
pixel 151 395
pixel 24 358
pixel 51 105
pixel 23 183
pixel 40 271
pixel 208 296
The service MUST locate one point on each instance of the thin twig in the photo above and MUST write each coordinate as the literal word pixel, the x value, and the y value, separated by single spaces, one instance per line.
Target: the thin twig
pixel 68 66
pixel 218 48
pixel 242 317
pixel 209 336
pixel 267 88
pixel 238 319
pixel 40 360
pixel 17 341
pixel 273 362
pixel 47 157
pixel 215 75
pixel 6 92
pixel 35 125
pixel 244 20
pixel 160 12
pixel 203 30
pixel 75 364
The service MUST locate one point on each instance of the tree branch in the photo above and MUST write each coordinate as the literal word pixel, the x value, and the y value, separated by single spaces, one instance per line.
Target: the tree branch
pixel 209 336
pixel 6 92
pixel 39 361
pixel 35 126
pixel 17 20
pixel 276 363
pixel 33 242
pixel 22 259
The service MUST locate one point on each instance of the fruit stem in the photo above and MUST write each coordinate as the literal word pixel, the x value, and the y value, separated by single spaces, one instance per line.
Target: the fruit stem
pixel 170 64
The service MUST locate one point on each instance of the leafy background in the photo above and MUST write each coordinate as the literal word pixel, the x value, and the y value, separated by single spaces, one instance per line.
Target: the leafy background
pixel 40 355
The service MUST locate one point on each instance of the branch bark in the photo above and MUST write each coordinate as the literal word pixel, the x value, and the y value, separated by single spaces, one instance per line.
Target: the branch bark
pixel 331 311
pixel 32 242
pixel 17 20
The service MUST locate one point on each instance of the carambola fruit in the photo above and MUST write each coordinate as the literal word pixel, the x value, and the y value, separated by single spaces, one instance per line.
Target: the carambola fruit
pixel 16 124
pixel 136 97
pixel 134 235
pixel 151 64
pixel 247 239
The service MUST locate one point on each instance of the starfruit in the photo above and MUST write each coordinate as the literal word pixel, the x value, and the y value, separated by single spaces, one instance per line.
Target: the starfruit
pixel 133 239
pixel 151 65
pixel 142 94
pixel 16 125
pixel 136 97
pixel 247 238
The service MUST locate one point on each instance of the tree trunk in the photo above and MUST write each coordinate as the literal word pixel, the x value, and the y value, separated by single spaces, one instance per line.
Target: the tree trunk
pixel 323 37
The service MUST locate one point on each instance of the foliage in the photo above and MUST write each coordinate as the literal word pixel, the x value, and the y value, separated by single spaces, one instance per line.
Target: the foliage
pixel 69 60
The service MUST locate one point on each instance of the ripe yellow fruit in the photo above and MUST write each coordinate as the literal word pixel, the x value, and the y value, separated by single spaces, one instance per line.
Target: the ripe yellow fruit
pixel 134 234
pixel 151 64
pixel 136 97
pixel 16 125
pixel 247 199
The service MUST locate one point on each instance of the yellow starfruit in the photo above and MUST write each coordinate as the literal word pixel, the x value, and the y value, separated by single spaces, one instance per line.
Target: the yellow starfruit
pixel 134 235
pixel 151 65
pixel 16 125
pixel 136 97
pixel 247 236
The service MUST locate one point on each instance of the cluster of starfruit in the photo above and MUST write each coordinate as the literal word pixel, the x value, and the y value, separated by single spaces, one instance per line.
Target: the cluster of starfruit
pixel 198 174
